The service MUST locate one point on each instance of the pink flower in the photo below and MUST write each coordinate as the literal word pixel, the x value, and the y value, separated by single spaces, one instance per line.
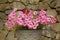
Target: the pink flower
pixel 48 18
pixel 30 16
pixel 36 20
pixel 53 20
pixel 35 25
pixel 21 14
pixel 10 24
pixel 28 19
pixel 30 25
pixel 42 12
pixel 44 22
pixel 35 13
pixel 20 22
pixel 12 15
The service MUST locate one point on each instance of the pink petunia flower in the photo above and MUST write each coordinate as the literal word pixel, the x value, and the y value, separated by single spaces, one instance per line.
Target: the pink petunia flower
pixel 35 13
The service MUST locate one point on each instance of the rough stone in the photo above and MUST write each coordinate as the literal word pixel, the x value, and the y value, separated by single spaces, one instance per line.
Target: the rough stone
pixel 3 1
pixel 57 3
pixel 3 34
pixel 56 27
pixel 8 11
pixel 51 3
pixel 17 0
pixel 54 39
pixel 32 7
pixel 1 25
pixel 24 1
pixel 28 34
pixel 58 18
pixel 3 16
pixel 33 1
pixel 46 1
pixel 57 9
pixel 7 6
pixel 0 14
pixel 49 33
pixel 44 38
pixel 18 5
pixel 43 5
pixel 10 36
pixel 10 0
pixel 4 7
pixel 51 12
pixel 58 36
pixel 59 12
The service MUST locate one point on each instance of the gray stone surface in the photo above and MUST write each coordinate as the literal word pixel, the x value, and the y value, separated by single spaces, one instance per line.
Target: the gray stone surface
pixel 8 11
pixel 58 36
pixel 51 3
pixel 10 36
pixel 58 18
pixel 32 7
pixel 43 5
pixel 56 27
pixel 51 12
pixel 3 7
pixel 10 0
pixel 24 1
pixel 28 34
pixel 3 1
pixel 48 33
pixel 18 5
pixel 33 1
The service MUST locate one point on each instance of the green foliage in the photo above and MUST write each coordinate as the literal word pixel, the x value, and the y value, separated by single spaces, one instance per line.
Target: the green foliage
pixel 26 28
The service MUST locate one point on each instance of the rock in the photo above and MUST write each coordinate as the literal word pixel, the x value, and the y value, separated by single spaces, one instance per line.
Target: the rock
pixel 57 3
pixel 18 5
pixel 57 9
pixel 10 0
pixel 1 25
pixel 33 1
pixel 15 38
pixel 51 12
pixel 10 36
pixel 56 27
pixel 3 34
pixel 44 38
pixel 51 3
pixel 32 7
pixel 8 11
pixel 7 6
pixel 46 1
pixel 0 14
pixel 43 5
pixel 54 39
pixel 24 1
pixel 17 0
pixel 3 1
pixel 3 16
pixel 58 36
pixel 28 34
pixel 59 13
pixel 4 7
pixel 49 33
pixel 58 18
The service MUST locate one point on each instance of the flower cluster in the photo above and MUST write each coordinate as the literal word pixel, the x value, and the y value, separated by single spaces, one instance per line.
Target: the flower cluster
pixel 29 18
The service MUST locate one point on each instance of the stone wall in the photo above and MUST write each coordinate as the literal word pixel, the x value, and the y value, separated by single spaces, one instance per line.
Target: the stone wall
pixel 51 6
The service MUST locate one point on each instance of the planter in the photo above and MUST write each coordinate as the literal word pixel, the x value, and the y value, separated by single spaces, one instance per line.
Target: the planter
pixel 28 34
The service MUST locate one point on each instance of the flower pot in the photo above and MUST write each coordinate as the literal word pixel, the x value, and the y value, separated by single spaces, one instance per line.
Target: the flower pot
pixel 28 34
